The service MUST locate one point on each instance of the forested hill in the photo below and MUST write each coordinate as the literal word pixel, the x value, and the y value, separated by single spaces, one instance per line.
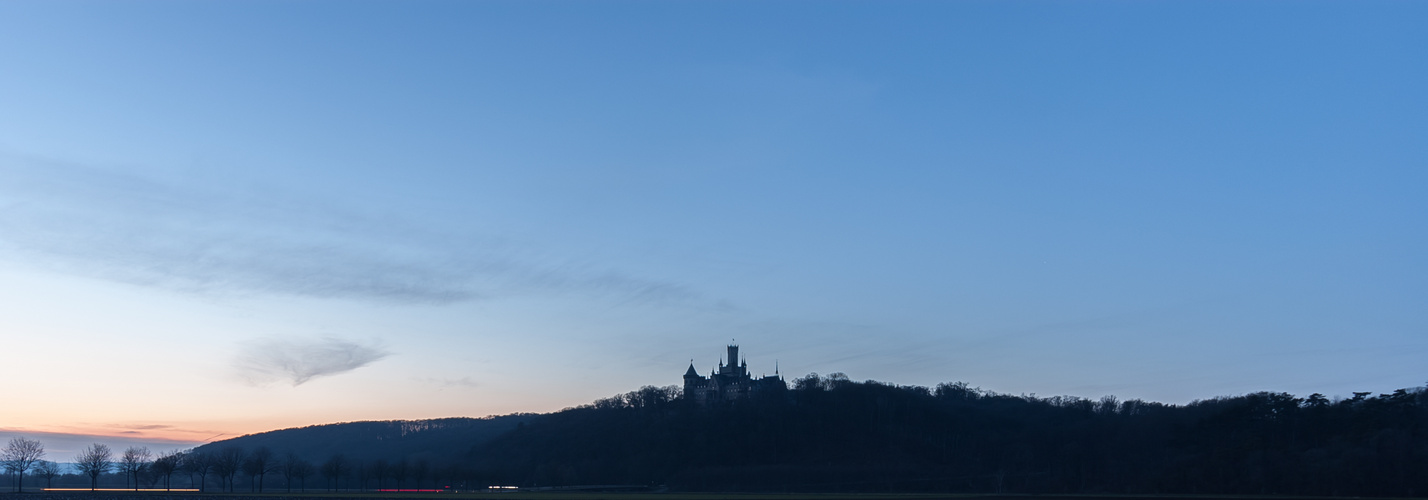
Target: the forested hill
pixel 833 434
pixel 442 440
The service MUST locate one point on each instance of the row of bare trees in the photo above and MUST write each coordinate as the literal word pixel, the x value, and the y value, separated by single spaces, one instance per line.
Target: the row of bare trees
pixel 225 467
pixel 135 463
pixel 421 473
pixel 23 454
pixel 139 466
pixel 339 472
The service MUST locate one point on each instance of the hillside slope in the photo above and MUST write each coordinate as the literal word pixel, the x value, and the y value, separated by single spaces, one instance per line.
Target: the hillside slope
pixel 443 440
pixel 832 434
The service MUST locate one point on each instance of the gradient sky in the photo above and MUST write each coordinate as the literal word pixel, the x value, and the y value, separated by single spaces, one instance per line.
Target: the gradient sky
pixel 221 217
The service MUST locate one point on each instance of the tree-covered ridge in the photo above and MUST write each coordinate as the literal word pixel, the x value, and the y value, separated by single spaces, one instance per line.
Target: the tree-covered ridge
pixel 433 439
pixel 826 434
pixel 834 434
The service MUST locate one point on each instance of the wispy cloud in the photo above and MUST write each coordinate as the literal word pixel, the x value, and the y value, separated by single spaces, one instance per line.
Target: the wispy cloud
pixel 144 427
pixel 213 240
pixel 458 383
pixel 277 360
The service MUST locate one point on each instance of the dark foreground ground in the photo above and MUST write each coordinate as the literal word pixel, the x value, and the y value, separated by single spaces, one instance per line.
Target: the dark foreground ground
pixel 620 496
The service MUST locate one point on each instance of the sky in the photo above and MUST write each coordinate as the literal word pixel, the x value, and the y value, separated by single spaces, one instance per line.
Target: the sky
pixel 224 217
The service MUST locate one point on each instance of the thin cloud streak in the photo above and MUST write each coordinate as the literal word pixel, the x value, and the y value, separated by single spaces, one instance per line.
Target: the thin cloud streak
pixel 265 361
pixel 136 230
pixel 458 383
pixel 145 427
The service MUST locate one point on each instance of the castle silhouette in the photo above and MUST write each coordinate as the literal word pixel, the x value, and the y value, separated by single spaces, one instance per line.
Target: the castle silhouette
pixel 729 382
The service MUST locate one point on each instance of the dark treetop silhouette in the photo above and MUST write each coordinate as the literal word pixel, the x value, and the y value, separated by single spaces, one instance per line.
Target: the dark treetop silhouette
pixel 835 434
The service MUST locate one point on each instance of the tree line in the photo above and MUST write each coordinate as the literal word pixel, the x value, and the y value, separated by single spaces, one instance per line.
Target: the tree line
pixel 834 434
pixel 229 469
pixel 825 434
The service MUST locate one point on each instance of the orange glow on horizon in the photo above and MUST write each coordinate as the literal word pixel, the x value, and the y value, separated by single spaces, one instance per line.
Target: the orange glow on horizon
pixel 177 436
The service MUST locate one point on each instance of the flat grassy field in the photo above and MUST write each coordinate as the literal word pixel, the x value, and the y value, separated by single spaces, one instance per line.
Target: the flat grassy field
pixel 111 495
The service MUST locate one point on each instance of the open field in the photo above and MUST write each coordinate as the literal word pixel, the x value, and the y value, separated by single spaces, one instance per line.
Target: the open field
pixel 111 495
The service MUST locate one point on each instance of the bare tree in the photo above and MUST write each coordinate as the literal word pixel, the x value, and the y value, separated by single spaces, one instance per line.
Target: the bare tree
pixel 295 467
pixel 19 456
pixel 149 477
pixel 258 465
pixel 363 472
pixel 399 471
pixel 133 462
pixel 47 470
pixel 250 469
pixel 93 461
pixel 197 463
pixel 165 466
pixel 458 475
pixel 334 468
pixel 437 474
pixel 304 470
pixel 419 471
pixel 379 469
pixel 452 475
pixel 228 463
pixel 289 466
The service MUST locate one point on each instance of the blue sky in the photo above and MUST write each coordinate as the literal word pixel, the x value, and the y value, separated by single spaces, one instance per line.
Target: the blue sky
pixel 270 214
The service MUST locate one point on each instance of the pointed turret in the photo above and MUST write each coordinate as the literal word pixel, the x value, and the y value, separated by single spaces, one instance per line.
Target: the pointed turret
pixel 690 372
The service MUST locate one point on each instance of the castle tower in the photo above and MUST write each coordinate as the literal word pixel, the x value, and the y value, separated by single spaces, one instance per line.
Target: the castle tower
pixel 695 387
pixel 730 381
